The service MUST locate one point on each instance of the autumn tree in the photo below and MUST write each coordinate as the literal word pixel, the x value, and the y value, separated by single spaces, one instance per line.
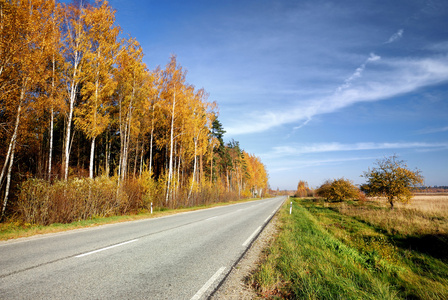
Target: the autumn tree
pixel 172 94
pixel 130 74
pixel 338 190
pixel 75 45
pixel 256 179
pixel 303 189
pixel 92 114
pixel 22 64
pixel 202 114
pixel 52 97
pixel 391 179
pixel 68 80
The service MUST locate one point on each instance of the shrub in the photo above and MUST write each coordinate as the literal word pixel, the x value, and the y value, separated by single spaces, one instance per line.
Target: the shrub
pixel 41 202
pixel 338 190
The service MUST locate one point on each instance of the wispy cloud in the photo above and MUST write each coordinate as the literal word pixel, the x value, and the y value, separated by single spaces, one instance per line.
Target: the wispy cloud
pixel 395 36
pixel 297 164
pixel 358 73
pixel 390 78
pixel 433 130
pixel 296 150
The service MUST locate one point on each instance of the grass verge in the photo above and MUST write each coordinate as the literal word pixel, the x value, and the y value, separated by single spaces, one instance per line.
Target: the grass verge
pixel 14 229
pixel 321 253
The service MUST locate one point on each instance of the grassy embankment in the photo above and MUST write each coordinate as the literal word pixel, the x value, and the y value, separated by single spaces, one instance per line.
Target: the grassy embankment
pixel 359 251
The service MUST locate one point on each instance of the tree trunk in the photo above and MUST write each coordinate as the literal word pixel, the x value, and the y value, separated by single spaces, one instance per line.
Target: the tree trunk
pixel 8 180
pixel 150 144
pixel 170 167
pixel 50 154
pixel 73 89
pixel 92 155
pixel 51 143
pixel 194 167
pixel 10 155
pixel 136 158
pixel 141 159
pixel 107 155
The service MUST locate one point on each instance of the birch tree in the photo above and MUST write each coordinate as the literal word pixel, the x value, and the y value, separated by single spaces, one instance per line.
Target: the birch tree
pixel 173 85
pixel 92 115
pixel 130 75
pixel 21 69
pixel 75 45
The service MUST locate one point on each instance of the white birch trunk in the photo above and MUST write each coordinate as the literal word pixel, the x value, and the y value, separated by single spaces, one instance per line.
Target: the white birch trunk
pixel 141 159
pixel 170 167
pixel 50 154
pixel 107 167
pixel 11 149
pixel 136 158
pixel 194 167
pixel 150 146
pixel 73 88
pixel 92 155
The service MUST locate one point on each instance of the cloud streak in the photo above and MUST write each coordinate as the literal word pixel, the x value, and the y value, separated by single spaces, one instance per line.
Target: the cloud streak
pixel 298 164
pixel 396 36
pixel 390 78
pixel 433 130
pixel 338 147
pixel 358 73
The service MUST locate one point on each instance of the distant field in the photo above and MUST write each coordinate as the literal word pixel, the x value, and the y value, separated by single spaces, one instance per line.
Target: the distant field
pixel 423 215
pixel 359 250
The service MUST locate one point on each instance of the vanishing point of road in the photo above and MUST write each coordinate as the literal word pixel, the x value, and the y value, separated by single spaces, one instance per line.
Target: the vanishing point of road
pixel 183 256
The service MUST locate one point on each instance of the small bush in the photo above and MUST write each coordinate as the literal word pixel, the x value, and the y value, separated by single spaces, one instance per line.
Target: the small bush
pixel 338 190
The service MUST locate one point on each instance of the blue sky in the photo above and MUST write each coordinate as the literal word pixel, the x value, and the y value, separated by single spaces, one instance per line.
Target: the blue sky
pixel 317 89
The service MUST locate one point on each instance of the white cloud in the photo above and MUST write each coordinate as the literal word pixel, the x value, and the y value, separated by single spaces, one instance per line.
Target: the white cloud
pixel 395 36
pixel 391 77
pixel 358 72
pixel 337 147
pixel 373 57
pixel 433 130
pixel 296 164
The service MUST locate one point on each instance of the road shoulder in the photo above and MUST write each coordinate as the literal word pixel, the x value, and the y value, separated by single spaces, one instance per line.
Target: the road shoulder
pixel 237 285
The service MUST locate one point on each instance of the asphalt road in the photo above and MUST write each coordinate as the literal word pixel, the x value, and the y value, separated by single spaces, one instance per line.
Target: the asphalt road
pixel 184 256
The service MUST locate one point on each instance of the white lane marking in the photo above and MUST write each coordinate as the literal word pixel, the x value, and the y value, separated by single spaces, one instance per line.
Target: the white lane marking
pixel 211 218
pixel 205 287
pixel 251 236
pixel 106 248
pixel 267 219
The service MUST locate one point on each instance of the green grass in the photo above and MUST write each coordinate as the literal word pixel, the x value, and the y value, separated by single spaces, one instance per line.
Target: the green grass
pixel 322 254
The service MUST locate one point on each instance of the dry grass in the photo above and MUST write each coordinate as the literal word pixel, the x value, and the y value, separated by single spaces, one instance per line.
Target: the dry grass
pixel 424 215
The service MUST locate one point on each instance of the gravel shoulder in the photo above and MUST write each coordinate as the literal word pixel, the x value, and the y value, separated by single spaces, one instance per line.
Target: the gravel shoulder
pixel 237 284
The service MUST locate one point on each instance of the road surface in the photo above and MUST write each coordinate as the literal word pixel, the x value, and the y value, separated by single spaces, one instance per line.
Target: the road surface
pixel 184 256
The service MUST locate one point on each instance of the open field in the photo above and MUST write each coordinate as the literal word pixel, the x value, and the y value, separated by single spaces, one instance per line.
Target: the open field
pixel 359 250
pixel 424 215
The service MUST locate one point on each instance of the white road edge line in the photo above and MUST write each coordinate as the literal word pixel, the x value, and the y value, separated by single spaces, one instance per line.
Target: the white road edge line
pixel 267 219
pixel 205 287
pixel 106 248
pixel 251 236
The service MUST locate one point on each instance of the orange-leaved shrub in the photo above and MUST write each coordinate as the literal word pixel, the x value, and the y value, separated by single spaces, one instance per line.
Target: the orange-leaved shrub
pixel 339 190
pixel 41 202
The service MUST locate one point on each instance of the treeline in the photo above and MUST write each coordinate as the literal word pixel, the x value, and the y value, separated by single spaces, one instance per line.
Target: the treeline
pixel 78 101
pixel 430 189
